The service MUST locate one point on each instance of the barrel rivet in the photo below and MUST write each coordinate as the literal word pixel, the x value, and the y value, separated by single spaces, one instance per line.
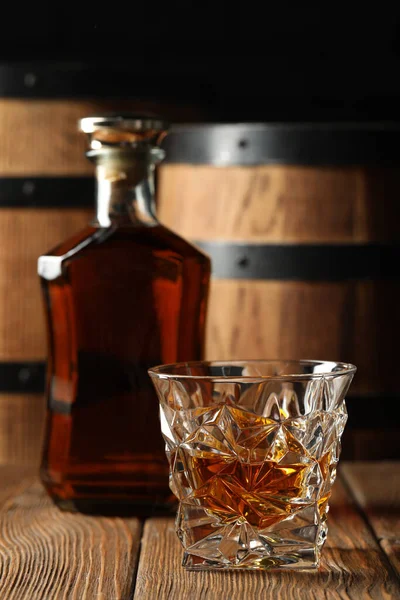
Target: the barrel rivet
pixel 30 79
pixel 28 188
pixel 24 375
pixel 243 262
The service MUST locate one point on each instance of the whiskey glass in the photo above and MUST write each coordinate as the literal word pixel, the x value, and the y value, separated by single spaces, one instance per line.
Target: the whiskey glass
pixel 253 448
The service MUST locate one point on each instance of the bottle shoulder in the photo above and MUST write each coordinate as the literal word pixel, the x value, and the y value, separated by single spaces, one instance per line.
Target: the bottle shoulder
pixel 157 236
pixel 174 242
pixel 74 242
pixel 121 242
pixel 50 265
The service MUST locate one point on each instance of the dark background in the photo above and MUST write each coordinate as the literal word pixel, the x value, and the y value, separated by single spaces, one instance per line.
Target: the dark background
pixel 254 63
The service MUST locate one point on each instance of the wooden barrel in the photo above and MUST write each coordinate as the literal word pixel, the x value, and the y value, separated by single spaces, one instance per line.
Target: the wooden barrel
pixel 46 194
pixel 301 223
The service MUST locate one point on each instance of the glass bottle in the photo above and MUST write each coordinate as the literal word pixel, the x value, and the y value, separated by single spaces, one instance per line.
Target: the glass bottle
pixel 121 296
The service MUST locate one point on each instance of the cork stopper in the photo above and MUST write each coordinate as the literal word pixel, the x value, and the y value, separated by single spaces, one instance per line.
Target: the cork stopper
pixel 123 130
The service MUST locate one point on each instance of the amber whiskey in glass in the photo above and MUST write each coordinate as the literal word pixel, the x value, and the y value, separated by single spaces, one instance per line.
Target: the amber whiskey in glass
pixel 121 296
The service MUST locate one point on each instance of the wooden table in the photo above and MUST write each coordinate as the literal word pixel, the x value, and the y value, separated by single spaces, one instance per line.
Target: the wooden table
pixel 46 554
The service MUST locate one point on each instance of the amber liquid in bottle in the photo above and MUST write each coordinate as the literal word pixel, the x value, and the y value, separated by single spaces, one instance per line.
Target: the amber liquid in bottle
pixel 123 295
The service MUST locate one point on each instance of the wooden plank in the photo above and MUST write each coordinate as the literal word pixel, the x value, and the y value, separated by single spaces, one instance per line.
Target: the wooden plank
pixel 376 488
pixel 269 319
pixel 13 479
pixel 26 233
pixel 353 566
pixel 279 203
pixel 51 143
pixel 275 319
pixel 22 419
pixel 45 553
pixel 50 126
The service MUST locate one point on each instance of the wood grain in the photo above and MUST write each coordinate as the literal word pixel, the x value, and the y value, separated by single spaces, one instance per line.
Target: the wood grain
pixel 25 234
pixel 299 319
pixel 22 419
pixel 40 137
pixel 353 566
pixel 280 203
pixel 14 479
pixel 353 321
pixel 46 554
pixel 376 488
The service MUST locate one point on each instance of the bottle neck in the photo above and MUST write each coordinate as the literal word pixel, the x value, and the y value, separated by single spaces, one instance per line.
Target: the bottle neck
pixel 125 189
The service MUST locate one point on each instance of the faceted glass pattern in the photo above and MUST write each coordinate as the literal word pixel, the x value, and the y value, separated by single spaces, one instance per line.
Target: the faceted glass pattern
pixel 253 449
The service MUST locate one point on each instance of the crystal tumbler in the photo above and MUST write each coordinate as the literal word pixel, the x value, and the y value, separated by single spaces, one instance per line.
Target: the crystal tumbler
pixel 253 448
